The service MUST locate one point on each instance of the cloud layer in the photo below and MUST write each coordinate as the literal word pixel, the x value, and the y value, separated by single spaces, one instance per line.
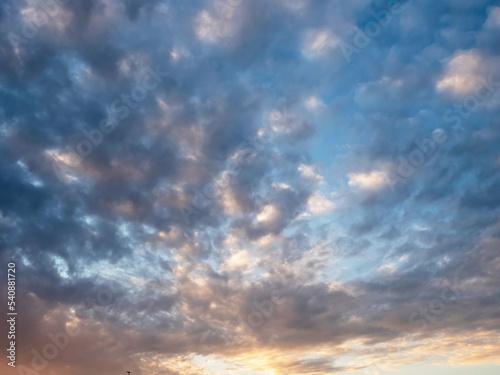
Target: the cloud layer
pixel 216 187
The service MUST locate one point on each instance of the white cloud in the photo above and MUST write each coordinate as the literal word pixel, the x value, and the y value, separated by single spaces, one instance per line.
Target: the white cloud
pixel 213 29
pixel 280 185
pixel 231 199
pixel 313 102
pixel 285 122
pixel 231 204
pixel 387 269
pixel 239 261
pixel 174 237
pixel 318 43
pixel 374 180
pixel 134 65
pixel 309 173
pixel 493 20
pixel 462 73
pixel 179 53
pixel 269 214
pixel 319 205
pixel 57 20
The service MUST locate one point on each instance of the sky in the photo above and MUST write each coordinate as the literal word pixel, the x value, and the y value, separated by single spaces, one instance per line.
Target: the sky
pixel 236 187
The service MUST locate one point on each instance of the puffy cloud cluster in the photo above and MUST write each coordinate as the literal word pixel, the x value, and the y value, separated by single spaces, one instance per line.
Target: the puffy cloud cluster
pixel 171 186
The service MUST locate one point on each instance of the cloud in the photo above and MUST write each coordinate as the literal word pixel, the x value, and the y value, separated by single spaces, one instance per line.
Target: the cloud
pixel 318 204
pixel 239 261
pixel 289 125
pixel 387 269
pixel 493 20
pixel 220 24
pixel 269 214
pixel 318 43
pixel 309 173
pixel 372 181
pixel 463 73
pixel 186 222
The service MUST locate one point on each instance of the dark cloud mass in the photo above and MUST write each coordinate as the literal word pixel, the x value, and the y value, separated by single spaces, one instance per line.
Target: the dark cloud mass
pixel 251 187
